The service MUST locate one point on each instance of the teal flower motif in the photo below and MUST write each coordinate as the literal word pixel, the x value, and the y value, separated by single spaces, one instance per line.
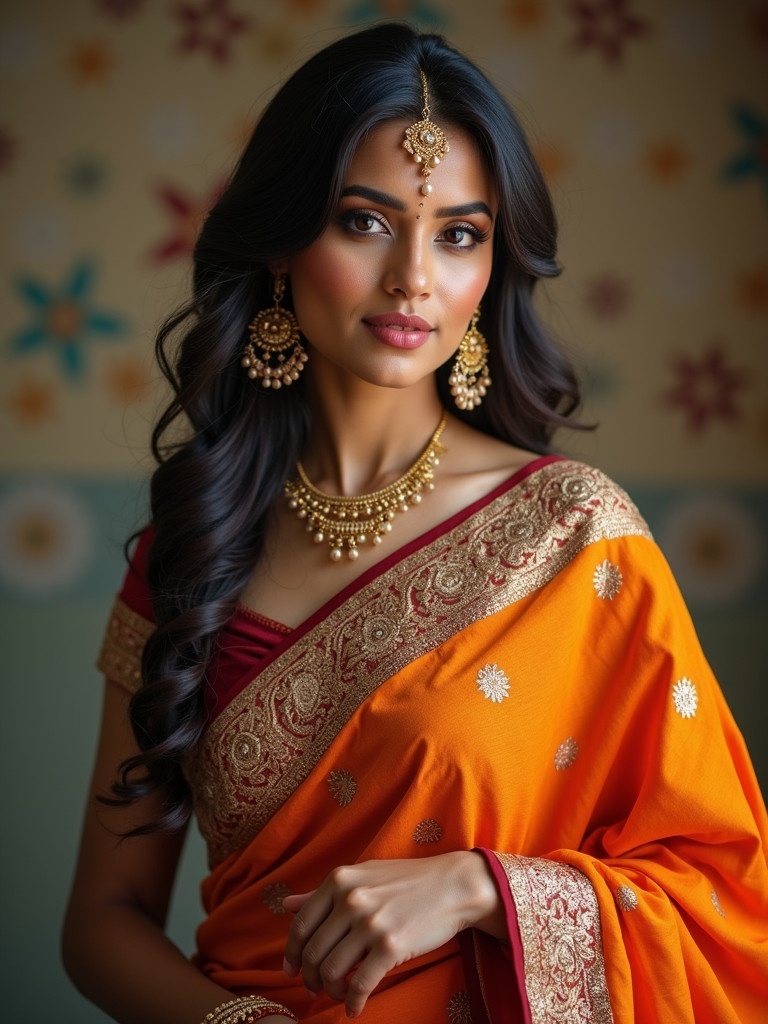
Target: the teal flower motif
pixel 64 320
pixel 415 11
pixel 753 161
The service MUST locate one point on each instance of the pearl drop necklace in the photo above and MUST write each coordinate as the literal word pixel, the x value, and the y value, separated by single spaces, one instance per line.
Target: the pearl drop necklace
pixel 346 522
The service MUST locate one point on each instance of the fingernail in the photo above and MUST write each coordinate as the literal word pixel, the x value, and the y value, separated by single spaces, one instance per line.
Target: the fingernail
pixel 351 1014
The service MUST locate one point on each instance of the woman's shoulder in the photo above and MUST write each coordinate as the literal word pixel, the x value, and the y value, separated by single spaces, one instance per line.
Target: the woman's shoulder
pixel 571 496
pixel 135 592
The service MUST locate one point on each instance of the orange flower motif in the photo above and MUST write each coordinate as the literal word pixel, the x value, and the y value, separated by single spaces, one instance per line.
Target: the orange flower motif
pixel 666 161
pixel 32 402
pixel 552 159
pixel 525 15
pixel 752 290
pixel 127 381
pixel 91 62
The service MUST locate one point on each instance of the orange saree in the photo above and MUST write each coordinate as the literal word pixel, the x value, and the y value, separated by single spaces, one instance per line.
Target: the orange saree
pixel 524 681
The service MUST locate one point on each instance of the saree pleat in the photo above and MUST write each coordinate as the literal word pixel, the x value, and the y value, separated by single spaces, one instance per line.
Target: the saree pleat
pixel 524 681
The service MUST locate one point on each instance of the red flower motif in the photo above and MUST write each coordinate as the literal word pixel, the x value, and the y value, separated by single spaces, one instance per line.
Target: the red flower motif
pixel 607 296
pixel 606 25
pixel 211 26
pixel 188 214
pixel 706 388
pixel 7 149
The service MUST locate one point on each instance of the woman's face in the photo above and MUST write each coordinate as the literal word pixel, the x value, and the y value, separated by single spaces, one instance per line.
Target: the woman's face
pixel 385 294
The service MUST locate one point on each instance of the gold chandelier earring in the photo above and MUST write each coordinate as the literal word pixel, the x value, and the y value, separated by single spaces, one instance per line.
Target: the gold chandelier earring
pixel 469 377
pixel 273 332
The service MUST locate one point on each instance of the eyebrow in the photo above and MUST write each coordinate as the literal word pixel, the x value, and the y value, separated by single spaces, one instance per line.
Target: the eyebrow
pixel 382 198
pixel 385 199
pixel 464 210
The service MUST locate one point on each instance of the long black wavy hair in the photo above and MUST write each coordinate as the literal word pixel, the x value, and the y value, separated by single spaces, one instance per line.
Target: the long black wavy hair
pixel 213 490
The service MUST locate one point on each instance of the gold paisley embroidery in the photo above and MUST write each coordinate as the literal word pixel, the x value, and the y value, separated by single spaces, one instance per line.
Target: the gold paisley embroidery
pixel 428 831
pixel 566 754
pixel 626 897
pixel 559 922
pixel 120 655
pixel 246 750
pixel 342 786
pixel 380 629
pixel 273 896
pixel 508 549
pixel 607 580
pixel 458 1009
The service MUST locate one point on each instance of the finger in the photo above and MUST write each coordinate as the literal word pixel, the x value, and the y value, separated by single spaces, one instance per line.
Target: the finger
pixel 330 954
pixel 367 976
pixel 308 918
pixel 334 970
pixel 296 901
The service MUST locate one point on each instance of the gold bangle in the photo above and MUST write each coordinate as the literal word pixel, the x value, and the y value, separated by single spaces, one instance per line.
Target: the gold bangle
pixel 246 1010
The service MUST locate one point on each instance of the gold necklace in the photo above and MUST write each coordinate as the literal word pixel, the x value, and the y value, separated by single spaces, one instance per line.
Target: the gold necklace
pixel 346 522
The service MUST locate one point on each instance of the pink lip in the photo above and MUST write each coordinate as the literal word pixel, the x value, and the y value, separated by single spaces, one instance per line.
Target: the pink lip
pixel 399 330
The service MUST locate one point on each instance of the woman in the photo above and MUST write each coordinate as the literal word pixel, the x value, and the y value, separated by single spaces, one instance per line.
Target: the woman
pixel 429 689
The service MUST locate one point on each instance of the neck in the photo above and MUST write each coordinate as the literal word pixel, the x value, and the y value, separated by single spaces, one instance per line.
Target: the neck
pixel 366 437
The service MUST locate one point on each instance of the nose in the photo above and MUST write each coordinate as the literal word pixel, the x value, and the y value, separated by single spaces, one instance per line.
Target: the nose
pixel 409 271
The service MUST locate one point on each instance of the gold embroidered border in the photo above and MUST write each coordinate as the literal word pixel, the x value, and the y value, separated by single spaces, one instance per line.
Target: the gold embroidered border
pixel 120 655
pixel 268 740
pixel 559 921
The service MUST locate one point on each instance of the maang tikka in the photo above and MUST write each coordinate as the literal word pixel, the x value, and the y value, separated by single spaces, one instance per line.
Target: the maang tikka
pixel 469 379
pixel 425 141
pixel 274 331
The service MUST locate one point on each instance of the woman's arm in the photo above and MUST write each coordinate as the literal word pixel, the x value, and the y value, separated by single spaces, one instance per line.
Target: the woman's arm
pixel 113 944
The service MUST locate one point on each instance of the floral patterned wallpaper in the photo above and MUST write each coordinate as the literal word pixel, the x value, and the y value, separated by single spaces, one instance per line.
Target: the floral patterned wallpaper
pixel 119 120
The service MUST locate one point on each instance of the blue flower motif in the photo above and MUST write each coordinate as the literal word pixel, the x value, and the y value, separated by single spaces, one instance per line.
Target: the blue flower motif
pixel 414 11
pixel 753 161
pixel 63 319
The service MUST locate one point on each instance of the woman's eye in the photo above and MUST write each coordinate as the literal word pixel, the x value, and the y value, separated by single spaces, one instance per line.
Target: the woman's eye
pixel 361 222
pixel 463 236
pixel 365 222
pixel 457 235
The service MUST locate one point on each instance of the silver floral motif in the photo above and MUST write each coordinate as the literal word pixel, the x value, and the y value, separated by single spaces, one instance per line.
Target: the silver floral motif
pixel 493 683
pixel 273 896
pixel 716 903
pixel 607 580
pixel 343 786
pixel 626 897
pixel 685 698
pixel 428 831
pixel 566 754
pixel 458 1009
